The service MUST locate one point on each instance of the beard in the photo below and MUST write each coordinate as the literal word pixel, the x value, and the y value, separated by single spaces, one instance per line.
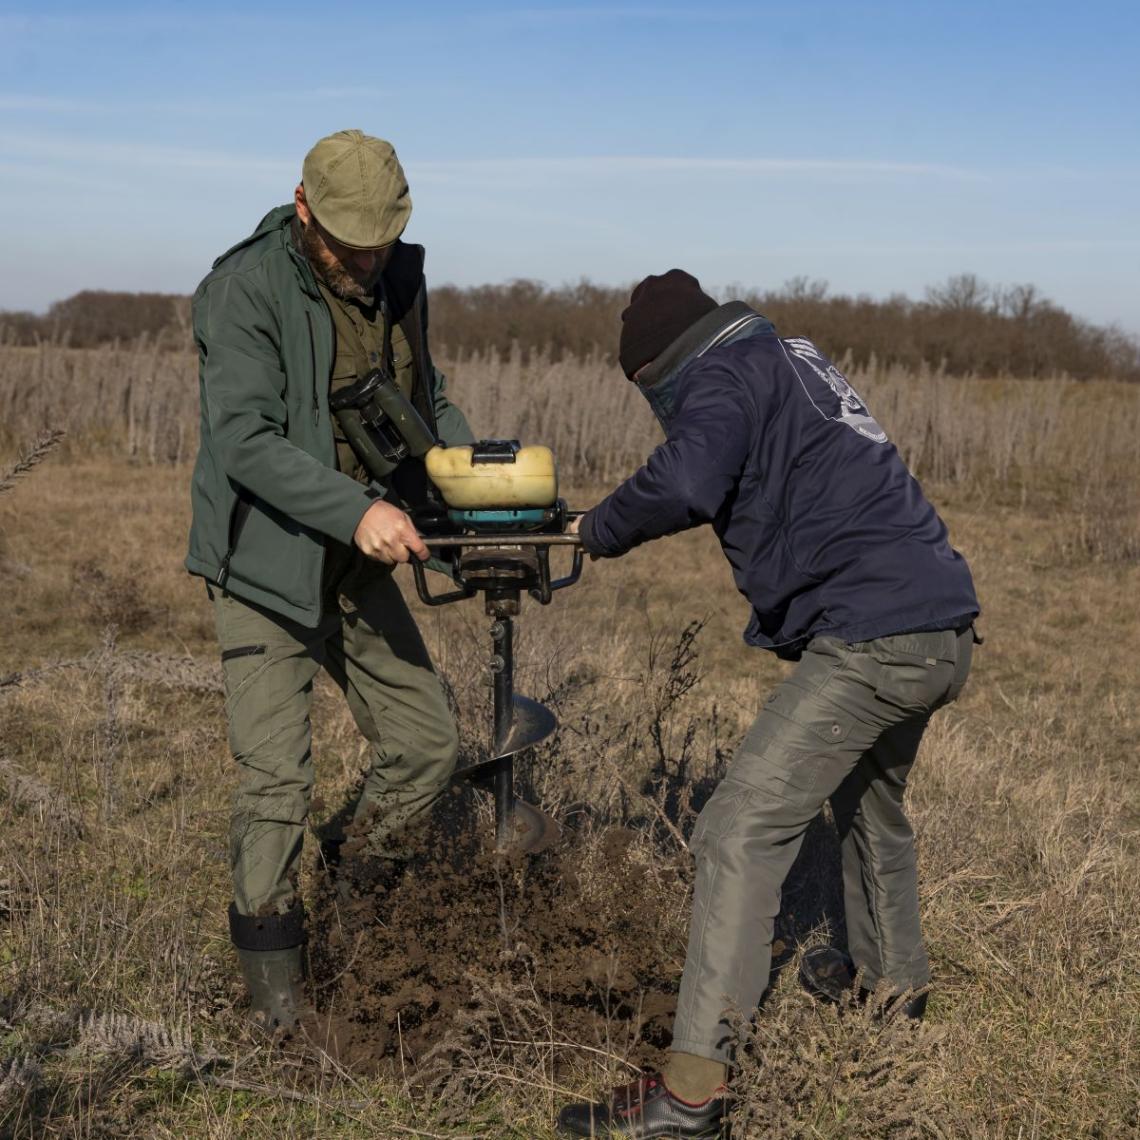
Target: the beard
pixel 341 282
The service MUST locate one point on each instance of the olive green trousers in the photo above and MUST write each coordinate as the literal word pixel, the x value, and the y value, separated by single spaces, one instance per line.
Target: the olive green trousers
pixel 372 649
pixel 845 726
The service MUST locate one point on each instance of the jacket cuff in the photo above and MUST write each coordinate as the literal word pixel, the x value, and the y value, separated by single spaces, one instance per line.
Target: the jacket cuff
pixel 342 525
pixel 588 536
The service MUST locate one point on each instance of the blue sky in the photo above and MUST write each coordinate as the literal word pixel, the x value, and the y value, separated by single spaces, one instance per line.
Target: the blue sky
pixel 879 146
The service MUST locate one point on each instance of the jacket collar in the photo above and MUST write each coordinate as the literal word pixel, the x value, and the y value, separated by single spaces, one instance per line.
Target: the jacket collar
pixel 277 219
pixel 723 324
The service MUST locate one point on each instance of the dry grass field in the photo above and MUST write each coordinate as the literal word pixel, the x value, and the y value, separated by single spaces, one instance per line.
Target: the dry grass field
pixel 521 985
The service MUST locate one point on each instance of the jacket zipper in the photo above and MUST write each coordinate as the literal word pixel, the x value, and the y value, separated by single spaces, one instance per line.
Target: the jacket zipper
pixel 313 361
pixel 316 421
pixel 238 516
pixel 731 330
pixel 418 346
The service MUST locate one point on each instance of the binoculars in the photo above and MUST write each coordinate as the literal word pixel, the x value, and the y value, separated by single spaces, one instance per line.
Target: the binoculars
pixel 380 423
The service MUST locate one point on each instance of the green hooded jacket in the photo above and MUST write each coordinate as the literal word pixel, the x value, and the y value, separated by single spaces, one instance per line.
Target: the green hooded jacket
pixel 266 491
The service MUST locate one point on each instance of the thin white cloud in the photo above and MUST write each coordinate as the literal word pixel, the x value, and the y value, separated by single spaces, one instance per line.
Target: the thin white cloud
pixel 16 23
pixel 621 13
pixel 146 155
pixel 495 173
pixel 251 103
pixel 343 93
pixel 604 166
pixel 133 22
pixel 1052 245
pixel 20 175
pixel 495 170
pixel 47 103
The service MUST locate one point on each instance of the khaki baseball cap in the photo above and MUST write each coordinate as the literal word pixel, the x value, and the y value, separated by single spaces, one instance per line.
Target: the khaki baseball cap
pixel 356 188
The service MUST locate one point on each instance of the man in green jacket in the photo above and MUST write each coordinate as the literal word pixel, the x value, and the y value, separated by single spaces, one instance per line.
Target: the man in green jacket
pixel 296 541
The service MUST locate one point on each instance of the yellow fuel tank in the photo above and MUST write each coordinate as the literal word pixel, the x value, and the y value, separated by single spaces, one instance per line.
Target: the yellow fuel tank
pixel 469 483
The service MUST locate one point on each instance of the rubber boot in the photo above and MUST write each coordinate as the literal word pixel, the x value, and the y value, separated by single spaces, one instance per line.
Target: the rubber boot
pixel 275 983
pixel 270 950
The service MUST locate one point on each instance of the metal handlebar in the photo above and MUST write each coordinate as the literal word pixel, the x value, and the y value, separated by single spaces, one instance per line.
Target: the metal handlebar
pixel 430 599
pixel 507 538
pixel 540 543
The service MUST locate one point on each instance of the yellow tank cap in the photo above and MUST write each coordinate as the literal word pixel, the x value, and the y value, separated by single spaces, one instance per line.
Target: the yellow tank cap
pixel 468 484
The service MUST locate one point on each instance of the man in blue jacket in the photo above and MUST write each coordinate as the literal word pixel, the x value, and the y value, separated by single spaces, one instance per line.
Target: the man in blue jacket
pixel 849 572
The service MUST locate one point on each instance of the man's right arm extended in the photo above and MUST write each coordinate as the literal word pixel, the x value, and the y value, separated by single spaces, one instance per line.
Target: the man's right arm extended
pixel 688 478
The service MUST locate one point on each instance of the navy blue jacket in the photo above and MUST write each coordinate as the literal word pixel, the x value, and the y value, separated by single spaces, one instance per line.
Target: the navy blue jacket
pixel 825 528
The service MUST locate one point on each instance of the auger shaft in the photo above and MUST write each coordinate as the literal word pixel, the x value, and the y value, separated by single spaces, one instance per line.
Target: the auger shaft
pixel 503 670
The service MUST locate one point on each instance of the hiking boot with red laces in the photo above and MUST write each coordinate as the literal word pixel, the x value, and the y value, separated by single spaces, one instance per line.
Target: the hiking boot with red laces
pixel 644 1109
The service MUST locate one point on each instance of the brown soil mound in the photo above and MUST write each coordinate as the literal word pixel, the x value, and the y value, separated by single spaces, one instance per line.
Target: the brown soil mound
pixel 466 950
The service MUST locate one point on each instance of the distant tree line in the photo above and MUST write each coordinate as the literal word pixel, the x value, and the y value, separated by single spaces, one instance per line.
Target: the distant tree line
pixel 96 316
pixel 964 326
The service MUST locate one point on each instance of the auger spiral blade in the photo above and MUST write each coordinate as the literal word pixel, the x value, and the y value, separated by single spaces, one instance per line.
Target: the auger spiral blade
pixel 531 723
pixel 503 565
pixel 520 826
pixel 529 830
pixel 519 723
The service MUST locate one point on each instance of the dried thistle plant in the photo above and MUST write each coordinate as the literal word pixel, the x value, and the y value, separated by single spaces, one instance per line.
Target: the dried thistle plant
pixel 11 681
pixel 20 1078
pixel 41 448
pixel 806 1069
pixel 34 795
pixel 111 732
pixel 170 671
pixel 502 1039
pixel 150 1043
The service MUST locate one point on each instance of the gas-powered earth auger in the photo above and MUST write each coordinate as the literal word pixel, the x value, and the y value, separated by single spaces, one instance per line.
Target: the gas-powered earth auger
pixel 500 519
pixel 491 513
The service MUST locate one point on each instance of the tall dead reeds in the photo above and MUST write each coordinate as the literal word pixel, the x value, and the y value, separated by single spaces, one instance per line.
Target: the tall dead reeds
pixel 141 403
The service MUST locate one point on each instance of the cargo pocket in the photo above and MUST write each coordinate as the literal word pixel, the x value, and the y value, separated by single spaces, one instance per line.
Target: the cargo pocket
pixel 820 718
pixel 240 666
pixel 718 817
pixel 249 710
pixel 242 651
pixel 787 755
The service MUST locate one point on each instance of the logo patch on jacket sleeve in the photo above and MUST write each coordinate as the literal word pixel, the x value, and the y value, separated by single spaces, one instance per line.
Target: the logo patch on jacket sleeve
pixel 836 400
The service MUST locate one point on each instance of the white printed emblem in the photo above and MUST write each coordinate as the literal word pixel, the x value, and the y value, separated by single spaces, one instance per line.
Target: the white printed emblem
pixel 851 411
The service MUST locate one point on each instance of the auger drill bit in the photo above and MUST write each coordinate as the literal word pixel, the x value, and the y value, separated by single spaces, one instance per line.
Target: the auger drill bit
pixel 502 567
pixel 520 723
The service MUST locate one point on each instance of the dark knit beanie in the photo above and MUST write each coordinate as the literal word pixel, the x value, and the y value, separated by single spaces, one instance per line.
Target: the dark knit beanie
pixel 660 309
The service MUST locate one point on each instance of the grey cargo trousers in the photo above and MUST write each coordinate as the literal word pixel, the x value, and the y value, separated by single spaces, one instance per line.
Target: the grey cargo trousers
pixel 845 726
pixel 372 649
